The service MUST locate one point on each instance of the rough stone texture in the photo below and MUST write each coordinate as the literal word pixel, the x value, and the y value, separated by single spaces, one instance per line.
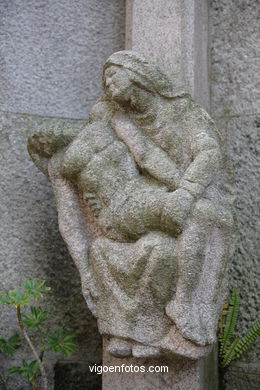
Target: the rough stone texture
pixel 234 59
pixel 175 35
pixel 182 374
pixel 244 148
pixel 235 106
pixel 52 53
pixel 240 376
pixel 31 246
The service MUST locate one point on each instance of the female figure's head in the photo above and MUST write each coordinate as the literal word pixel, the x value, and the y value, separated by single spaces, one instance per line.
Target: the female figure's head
pixel 127 74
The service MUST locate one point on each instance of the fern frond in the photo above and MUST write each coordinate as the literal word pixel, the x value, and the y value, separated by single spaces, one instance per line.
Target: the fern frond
pixel 221 323
pixel 230 323
pixel 246 341
pixel 229 353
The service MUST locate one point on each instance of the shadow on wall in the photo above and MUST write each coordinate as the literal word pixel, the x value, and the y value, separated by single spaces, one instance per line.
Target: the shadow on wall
pixel 76 376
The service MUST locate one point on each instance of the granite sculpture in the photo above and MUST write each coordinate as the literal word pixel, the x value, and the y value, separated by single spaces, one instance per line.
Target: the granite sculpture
pixel 145 207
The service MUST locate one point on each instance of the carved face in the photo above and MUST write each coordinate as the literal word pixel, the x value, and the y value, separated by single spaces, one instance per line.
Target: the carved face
pixel 118 86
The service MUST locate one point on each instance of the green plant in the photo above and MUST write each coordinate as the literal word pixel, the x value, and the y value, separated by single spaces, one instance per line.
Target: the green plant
pixel 8 347
pixel 11 345
pixel 34 319
pixel 30 370
pixel 230 348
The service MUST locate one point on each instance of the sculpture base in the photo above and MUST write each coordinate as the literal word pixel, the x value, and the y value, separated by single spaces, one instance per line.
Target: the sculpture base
pixel 161 373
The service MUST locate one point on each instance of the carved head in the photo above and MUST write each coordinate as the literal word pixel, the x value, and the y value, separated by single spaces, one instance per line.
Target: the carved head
pixel 126 71
pixel 117 84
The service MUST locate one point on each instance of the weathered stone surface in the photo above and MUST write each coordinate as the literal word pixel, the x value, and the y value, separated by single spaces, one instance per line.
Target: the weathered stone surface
pixel 234 58
pixel 30 243
pixel 241 376
pixel 148 174
pixel 244 146
pixel 52 53
pixel 181 374
pixel 235 106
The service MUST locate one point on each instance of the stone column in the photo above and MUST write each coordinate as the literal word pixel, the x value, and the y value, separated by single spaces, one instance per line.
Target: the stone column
pixel 174 34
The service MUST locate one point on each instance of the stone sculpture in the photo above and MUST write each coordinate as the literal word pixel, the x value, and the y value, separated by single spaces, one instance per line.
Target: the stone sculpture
pixel 144 203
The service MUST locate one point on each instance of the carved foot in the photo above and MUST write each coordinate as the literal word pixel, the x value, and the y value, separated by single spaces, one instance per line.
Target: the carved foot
pixel 192 323
pixel 119 348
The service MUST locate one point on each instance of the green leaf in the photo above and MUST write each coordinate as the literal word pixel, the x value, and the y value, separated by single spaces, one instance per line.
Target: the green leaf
pixel 230 322
pixel 30 370
pixel 14 370
pixel 11 345
pixel 229 354
pixel 244 344
pixel 15 298
pixel 60 342
pixel 31 290
pixel 36 319
pixel 35 290
pixel 233 349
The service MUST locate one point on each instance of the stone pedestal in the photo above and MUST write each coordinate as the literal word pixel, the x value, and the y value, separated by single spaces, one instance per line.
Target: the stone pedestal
pixel 171 374
pixel 174 34
pixel 163 374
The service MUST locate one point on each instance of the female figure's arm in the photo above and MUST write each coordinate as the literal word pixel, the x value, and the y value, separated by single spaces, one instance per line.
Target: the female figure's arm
pixel 148 156
pixel 205 164
pixel 205 151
